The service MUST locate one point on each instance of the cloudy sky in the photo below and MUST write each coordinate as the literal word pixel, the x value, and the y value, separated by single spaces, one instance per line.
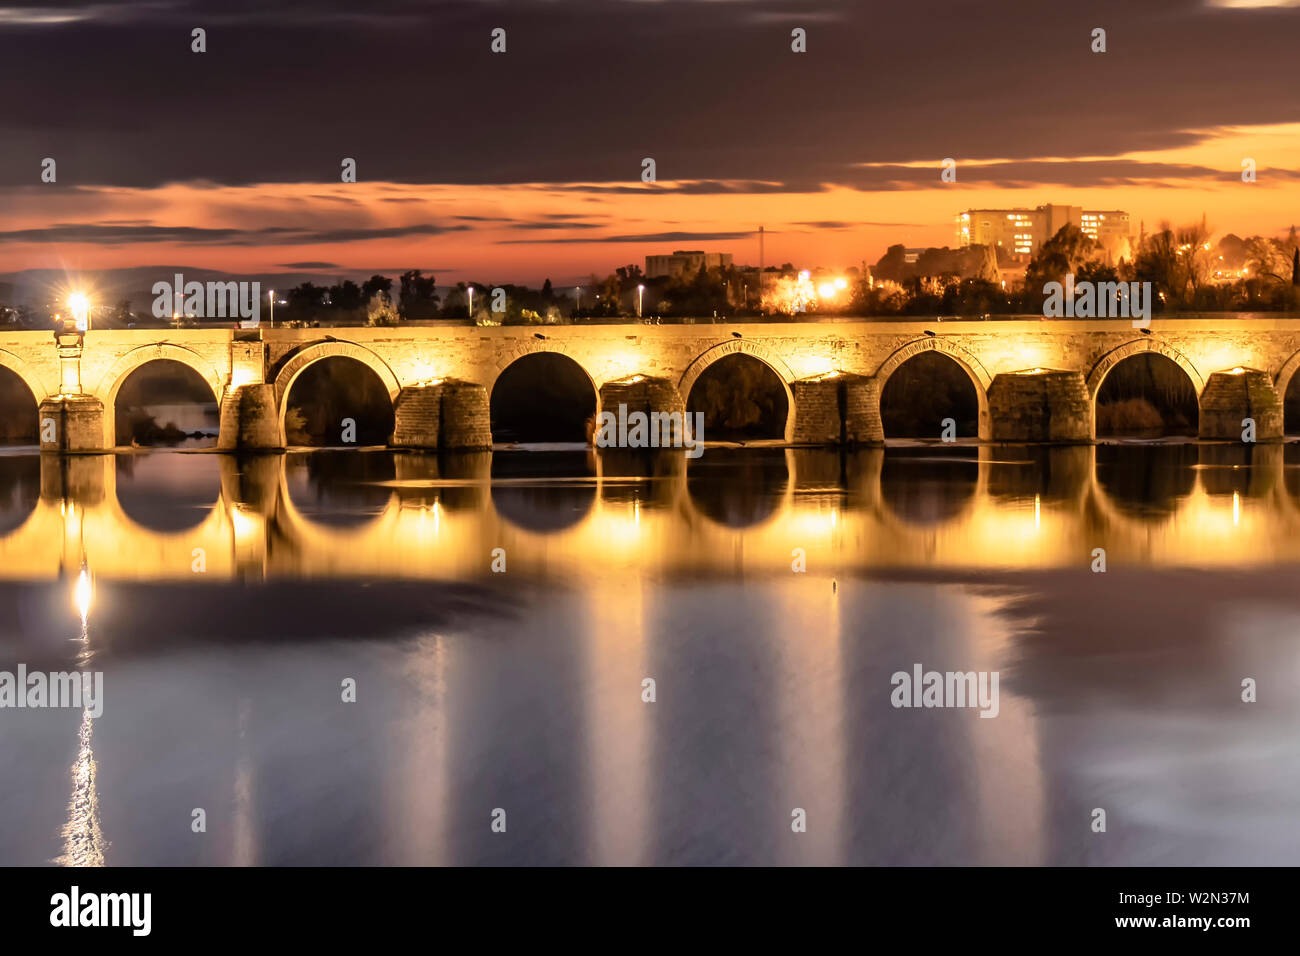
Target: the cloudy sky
pixel 514 166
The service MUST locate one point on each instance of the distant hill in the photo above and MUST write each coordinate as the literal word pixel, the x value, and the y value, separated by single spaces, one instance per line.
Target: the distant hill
pixel 109 286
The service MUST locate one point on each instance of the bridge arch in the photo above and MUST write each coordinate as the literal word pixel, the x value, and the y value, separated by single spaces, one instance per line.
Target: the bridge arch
pixel 1145 344
pixel 112 381
pixel 298 361
pixel 31 378
pixel 1283 379
pixel 577 395
pixel 513 355
pixel 966 360
pixel 753 350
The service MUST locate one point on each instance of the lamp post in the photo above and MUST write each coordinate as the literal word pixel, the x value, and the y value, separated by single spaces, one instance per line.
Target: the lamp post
pixel 471 303
pixel 578 295
pixel 270 297
pixel 640 293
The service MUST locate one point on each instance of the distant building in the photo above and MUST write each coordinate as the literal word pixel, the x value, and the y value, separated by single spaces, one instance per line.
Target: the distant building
pixel 685 262
pixel 1022 231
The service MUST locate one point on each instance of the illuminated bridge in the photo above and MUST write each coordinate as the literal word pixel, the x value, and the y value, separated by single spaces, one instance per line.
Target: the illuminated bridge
pixel 1032 380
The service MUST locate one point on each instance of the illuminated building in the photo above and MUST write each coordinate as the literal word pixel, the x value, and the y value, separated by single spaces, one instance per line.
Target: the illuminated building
pixel 685 263
pixel 1021 231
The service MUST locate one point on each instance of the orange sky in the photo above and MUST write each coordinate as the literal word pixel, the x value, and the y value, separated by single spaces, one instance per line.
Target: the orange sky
pixel 529 231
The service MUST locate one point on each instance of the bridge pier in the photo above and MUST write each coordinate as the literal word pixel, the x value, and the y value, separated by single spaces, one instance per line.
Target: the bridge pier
pixel 837 408
pixel 73 424
pixel 1041 405
pixel 448 415
pixel 417 417
pixel 250 420
pixel 642 393
pixel 1230 397
pixel 466 419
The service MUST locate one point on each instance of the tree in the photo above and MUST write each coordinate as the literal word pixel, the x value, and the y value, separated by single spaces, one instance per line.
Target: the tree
pixel 304 301
pixel 377 283
pixel 611 295
pixel 380 310
pixel 417 298
pixel 1191 261
pixel 892 265
pixel 346 295
pixel 1157 262
pixel 629 276
pixel 1063 253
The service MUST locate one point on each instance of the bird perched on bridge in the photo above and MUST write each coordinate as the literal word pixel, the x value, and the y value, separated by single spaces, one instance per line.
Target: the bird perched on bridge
pixel 539 335
pixel 929 333
pixel 735 335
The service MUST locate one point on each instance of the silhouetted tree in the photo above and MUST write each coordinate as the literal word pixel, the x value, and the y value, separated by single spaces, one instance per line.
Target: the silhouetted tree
pixel 375 284
pixel 417 299
pixel 346 295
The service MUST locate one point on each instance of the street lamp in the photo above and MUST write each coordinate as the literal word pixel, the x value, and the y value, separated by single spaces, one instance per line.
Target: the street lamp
pixel 270 297
pixel 79 303
pixel 640 293
pixel 578 293
pixel 471 303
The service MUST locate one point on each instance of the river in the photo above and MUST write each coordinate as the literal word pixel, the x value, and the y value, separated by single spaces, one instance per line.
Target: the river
pixel 499 616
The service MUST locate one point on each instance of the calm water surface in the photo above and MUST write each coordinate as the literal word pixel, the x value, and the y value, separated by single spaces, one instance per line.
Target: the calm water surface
pixel 226 602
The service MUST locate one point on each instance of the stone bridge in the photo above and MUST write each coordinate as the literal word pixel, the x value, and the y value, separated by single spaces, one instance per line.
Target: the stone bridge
pixel 1035 380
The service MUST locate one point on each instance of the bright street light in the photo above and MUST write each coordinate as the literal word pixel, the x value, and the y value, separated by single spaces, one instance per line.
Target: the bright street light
pixel 79 303
pixel 640 293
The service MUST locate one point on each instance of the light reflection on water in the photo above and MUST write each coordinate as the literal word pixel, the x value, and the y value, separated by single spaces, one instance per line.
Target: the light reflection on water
pixel 232 598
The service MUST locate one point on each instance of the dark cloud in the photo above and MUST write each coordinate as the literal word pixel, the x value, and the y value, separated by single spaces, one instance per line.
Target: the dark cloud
pixel 642 237
pixel 548 221
pixel 589 88
pixel 708 187
pixel 1020 174
pixel 842 224
pixel 310 265
pixel 271 235
pixel 564 225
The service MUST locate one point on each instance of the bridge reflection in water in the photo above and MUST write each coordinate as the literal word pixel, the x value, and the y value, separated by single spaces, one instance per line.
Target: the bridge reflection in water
pixel 233 596
pixel 165 516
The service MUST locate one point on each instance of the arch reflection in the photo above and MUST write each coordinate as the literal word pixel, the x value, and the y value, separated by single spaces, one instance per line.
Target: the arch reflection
pixel 927 486
pixel 339 489
pixel 167 493
pixel 738 487
pixel 1145 480
pixel 543 491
